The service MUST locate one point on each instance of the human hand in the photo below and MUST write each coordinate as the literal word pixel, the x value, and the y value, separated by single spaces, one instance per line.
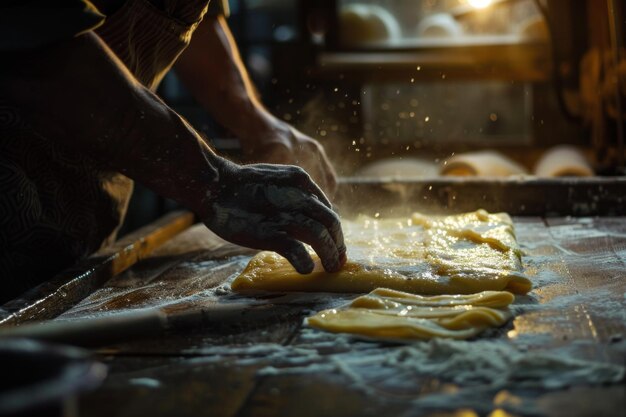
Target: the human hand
pixel 288 146
pixel 277 208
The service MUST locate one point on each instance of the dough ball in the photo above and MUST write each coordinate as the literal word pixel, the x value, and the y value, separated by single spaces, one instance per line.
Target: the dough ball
pixel 563 161
pixel 481 164
pixel 439 25
pixel 363 23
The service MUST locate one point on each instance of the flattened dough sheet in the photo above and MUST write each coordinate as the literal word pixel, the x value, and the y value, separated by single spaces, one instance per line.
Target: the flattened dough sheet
pixel 393 315
pixel 430 255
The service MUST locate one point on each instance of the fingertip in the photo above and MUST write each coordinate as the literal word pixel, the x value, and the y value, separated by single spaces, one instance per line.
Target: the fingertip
pixel 295 253
pixel 333 265
pixel 300 258
pixel 343 258
pixel 303 265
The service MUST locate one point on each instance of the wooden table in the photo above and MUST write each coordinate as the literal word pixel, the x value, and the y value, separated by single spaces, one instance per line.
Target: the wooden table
pixel 272 365
pixel 276 367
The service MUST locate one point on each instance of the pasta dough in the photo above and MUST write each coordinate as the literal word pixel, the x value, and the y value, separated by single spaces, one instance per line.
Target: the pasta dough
pixel 482 164
pixel 394 315
pixel 458 254
pixel 563 161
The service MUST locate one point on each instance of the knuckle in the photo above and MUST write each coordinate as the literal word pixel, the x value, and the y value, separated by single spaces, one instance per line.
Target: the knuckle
pixel 301 175
pixel 333 219
pixel 298 171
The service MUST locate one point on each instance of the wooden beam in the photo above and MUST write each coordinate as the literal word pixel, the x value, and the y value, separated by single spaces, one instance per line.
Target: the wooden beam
pixel 65 290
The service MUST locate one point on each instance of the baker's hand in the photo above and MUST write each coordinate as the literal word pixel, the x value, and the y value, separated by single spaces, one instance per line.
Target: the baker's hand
pixel 277 208
pixel 286 145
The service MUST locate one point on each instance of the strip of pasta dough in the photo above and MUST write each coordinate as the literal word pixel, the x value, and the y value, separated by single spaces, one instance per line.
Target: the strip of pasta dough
pixel 392 315
pixel 429 255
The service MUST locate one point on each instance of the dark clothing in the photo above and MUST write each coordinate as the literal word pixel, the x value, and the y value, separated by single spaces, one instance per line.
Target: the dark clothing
pixel 36 23
pixel 58 206
pixel 147 39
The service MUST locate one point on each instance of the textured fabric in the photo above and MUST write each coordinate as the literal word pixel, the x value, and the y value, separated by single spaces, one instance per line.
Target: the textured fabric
pixel 218 7
pixel 149 39
pixel 36 23
pixel 57 206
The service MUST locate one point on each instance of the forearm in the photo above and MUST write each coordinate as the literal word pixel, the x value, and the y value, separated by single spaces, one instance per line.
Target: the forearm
pixel 212 69
pixel 78 95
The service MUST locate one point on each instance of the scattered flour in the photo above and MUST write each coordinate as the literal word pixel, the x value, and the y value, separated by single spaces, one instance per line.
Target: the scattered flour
pixel 500 364
pixel 492 364
pixel 602 302
pixel 223 290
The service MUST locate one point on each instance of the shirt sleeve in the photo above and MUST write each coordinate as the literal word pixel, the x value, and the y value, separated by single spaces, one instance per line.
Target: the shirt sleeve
pixel 218 7
pixel 26 24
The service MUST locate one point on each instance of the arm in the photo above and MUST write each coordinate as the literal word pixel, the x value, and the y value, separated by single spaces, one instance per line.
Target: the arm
pixel 212 69
pixel 79 95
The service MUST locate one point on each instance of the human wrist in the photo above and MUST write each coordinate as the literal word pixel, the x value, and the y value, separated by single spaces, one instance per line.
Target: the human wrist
pixel 261 130
pixel 213 180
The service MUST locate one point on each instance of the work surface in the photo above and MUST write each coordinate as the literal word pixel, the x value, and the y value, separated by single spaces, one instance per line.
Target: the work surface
pixel 270 364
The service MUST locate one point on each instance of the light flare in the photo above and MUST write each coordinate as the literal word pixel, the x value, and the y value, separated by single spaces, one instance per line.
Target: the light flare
pixel 480 4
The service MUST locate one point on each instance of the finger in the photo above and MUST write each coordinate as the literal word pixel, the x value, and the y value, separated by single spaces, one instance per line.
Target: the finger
pixel 315 234
pixel 306 184
pixel 291 176
pixel 317 184
pixel 293 251
pixel 330 220
pixel 315 189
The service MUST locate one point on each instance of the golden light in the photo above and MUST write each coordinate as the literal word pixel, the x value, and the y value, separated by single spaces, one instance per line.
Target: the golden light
pixel 479 4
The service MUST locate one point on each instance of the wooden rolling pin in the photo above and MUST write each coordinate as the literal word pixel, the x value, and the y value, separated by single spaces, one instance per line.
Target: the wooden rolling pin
pixel 137 324
pixel 93 331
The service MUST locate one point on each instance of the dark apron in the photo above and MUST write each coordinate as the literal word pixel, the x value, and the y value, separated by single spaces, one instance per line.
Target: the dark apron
pixel 148 39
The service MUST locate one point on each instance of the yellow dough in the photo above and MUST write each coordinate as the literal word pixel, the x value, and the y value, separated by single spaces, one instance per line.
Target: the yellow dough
pixel 481 164
pixel 393 315
pixel 458 254
pixel 563 161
